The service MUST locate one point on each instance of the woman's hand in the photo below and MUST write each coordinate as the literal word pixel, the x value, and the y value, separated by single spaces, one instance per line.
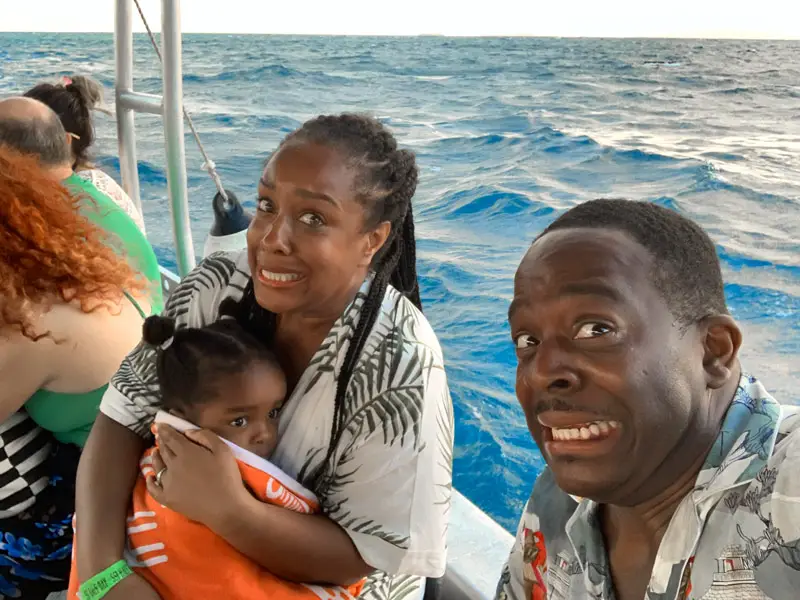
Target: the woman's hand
pixel 202 482
pixel 201 478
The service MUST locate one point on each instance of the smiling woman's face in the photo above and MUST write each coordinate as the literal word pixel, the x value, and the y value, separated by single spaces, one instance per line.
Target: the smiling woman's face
pixel 307 246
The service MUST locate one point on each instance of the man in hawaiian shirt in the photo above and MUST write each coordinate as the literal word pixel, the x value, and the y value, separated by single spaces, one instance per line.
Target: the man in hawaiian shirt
pixel 671 474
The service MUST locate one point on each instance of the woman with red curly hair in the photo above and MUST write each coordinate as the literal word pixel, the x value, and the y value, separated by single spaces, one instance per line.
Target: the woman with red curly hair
pixel 71 308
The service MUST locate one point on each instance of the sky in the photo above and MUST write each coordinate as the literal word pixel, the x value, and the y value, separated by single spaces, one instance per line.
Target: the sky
pixel 776 19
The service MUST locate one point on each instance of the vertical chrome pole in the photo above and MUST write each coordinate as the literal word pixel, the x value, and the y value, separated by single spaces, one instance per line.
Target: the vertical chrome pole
pixel 126 134
pixel 173 133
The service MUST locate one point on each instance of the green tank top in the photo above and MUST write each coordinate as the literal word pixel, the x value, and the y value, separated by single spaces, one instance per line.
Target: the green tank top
pixel 106 214
pixel 69 417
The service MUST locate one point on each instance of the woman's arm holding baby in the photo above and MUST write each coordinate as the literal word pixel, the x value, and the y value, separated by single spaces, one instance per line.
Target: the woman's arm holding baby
pixel 294 546
pixel 203 482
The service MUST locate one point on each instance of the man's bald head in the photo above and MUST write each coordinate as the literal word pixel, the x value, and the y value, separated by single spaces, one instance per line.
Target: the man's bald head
pixel 31 127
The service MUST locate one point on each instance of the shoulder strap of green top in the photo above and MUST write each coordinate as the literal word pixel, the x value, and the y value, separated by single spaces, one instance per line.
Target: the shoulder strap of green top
pixel 135 305
pixel 132 243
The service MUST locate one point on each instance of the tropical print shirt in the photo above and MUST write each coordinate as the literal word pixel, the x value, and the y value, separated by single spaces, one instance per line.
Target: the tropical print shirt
pixel 735 536
pixel 389 487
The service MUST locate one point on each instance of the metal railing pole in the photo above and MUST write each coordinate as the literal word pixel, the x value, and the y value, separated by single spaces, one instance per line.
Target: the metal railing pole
pixel 126 134
pixel 173 134
pixel 139 102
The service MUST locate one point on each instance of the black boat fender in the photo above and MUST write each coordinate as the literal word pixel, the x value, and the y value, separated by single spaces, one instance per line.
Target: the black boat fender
pixel 229 229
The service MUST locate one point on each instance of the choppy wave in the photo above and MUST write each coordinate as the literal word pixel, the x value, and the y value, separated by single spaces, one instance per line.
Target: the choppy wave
pixel 509 133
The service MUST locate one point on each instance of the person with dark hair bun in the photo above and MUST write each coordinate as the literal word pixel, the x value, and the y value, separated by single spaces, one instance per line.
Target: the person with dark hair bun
pixel 74 99
pixel 329 283
pixel 219 378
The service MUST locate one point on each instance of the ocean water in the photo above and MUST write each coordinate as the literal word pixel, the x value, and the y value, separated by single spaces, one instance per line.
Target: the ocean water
pixel 509 133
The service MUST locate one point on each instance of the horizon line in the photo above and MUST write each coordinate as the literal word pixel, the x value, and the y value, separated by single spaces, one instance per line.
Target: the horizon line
pixel 443 35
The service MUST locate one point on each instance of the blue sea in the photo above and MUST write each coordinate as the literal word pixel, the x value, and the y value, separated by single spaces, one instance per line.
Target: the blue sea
pixel 509 133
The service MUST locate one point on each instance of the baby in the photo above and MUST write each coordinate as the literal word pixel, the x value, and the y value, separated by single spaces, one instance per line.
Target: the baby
pixel 222 379
pixel 219 378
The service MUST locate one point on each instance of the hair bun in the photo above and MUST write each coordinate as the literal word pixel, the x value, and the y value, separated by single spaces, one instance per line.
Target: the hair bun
pixel 230 308
pixel 157 330
pixel 88 90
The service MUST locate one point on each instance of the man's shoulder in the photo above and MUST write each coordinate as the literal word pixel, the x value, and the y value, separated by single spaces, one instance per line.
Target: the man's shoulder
pixel 759 522
pixel 782 469
pixel 784 464
pixel 772 497
pixel 789 425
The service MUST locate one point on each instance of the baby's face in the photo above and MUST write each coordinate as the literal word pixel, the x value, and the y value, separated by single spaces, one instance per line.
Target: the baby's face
pixel 245 410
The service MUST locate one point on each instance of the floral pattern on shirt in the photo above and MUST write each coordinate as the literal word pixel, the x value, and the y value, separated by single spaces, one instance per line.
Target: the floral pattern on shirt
pixel 736 535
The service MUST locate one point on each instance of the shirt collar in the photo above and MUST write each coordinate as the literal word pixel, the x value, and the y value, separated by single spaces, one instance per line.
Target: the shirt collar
pixel 745 442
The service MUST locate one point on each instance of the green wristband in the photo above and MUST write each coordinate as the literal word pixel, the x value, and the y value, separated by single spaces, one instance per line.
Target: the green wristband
pixel 99 585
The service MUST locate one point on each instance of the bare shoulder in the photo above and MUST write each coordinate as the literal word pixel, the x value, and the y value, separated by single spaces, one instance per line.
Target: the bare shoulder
pixel 89 346
pixel 25 367
pixel 18 350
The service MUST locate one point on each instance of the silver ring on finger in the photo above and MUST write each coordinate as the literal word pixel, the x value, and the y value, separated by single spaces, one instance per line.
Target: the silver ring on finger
pixel 159 475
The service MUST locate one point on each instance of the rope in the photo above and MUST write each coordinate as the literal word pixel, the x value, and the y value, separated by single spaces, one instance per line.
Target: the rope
pixel 208 165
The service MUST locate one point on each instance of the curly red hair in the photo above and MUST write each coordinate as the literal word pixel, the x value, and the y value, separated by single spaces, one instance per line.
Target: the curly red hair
pixel 48 251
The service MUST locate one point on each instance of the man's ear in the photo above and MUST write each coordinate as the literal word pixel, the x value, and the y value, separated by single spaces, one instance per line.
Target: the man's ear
pixel 722 339
pixel 374 242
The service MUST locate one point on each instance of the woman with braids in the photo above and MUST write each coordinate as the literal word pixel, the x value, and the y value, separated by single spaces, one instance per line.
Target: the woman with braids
pixel 329 283
pixel 70 311
pixel 74 99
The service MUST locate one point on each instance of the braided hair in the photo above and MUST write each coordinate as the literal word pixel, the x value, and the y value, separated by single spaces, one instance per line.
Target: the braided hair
pixel 385 182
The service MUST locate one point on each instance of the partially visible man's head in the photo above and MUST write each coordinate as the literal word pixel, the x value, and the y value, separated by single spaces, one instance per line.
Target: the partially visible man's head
pixel 624 344
pixel 30 127
pixel 686 268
